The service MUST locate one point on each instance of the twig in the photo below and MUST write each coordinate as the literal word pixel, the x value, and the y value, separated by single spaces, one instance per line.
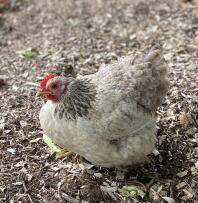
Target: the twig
pixel 194 121
pixel 69 198
pixel 29 197
pixel 151 182
pixel 26 191
pixel 32 84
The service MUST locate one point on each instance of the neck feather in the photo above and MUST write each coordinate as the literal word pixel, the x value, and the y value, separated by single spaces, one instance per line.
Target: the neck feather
pixel 78 100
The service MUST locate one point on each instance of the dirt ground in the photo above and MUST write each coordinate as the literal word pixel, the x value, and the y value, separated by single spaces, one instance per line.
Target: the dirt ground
pixel 76 37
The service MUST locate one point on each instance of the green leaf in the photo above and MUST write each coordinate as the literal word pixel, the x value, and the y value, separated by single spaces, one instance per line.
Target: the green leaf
pixel 72 21
pixel 52 146
pixel 26 53
pixel 131 192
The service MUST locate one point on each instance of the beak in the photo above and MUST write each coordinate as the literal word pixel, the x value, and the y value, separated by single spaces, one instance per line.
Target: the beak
pixel 40 93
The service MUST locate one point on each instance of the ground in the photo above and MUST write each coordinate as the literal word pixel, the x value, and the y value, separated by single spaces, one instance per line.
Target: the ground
pixel 76 37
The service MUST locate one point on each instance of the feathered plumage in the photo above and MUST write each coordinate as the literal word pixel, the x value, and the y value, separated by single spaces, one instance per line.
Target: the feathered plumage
pixel 108 117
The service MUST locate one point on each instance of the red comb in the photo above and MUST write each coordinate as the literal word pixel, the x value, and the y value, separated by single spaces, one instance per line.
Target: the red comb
pixel 45 80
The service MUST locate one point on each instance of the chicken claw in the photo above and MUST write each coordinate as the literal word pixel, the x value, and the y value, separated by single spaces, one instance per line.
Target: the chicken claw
pixel 76 158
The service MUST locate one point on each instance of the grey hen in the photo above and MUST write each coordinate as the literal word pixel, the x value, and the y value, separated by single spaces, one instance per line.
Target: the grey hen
pixel 107 117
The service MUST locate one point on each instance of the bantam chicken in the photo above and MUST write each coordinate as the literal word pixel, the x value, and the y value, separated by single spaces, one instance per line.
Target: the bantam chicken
pixel 107 117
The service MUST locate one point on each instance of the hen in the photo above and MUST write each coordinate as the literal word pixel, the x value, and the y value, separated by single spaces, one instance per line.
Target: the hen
pixel 107 117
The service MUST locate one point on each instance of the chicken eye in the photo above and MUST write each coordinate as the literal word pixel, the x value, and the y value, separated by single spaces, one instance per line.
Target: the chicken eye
pixel 54 86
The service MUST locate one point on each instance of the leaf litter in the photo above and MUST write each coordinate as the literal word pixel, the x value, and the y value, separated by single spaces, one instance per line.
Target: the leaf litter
pixel 76 37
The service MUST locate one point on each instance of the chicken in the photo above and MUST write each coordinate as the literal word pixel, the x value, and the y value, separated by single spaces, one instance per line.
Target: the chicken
pixel 108 117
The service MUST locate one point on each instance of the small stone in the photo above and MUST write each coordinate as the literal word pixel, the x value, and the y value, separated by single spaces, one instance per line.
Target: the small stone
pixel 98 175
pixel 11 150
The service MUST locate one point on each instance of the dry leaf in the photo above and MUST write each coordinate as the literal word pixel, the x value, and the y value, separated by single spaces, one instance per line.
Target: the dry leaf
pixel 182 174
pixel 189 193
pixel 181 185
pixel 169 199
pixel 183 118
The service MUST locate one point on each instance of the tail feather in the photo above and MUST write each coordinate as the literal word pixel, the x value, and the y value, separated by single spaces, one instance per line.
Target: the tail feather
pixel 156 84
